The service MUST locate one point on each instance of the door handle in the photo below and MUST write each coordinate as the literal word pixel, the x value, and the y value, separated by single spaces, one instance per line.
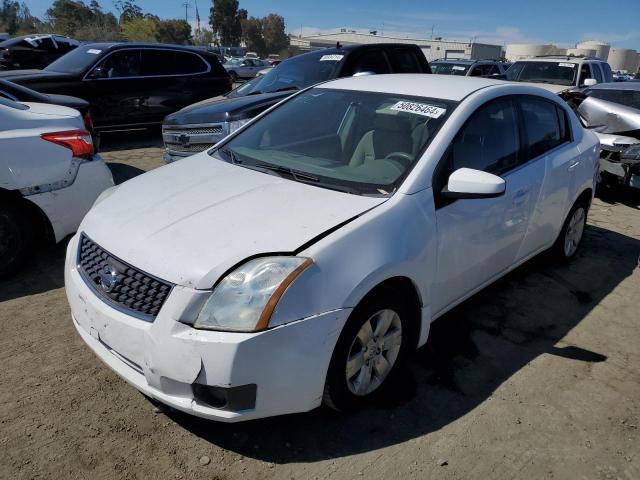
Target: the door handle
pixel 573 166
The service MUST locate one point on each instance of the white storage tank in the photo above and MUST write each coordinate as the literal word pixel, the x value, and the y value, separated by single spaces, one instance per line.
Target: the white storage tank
pixel 622 59
pixel 584 52
pixel 518 51
pixel 601 48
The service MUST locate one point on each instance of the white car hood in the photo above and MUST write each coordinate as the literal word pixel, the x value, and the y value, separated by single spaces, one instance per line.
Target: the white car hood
pixel 190 221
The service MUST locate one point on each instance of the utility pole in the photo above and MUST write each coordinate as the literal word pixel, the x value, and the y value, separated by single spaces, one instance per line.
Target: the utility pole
pixel 186 11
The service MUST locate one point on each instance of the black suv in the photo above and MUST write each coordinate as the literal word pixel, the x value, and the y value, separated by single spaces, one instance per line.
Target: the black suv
pixel 130 85
pixel 34 51
pixel 200 126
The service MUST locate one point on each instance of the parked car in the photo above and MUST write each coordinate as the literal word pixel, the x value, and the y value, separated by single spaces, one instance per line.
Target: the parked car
pixel 559 73
pixel 244 68
pixel 612 112
pixel 468 68
pixel 130 85
pixel 19 93
pixel 34 51
pixel 198 127
pixel 253 55
pixel 49 177
pixel 308 258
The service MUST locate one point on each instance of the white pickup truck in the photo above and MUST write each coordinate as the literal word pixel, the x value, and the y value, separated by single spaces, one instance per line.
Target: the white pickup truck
pixel 49 177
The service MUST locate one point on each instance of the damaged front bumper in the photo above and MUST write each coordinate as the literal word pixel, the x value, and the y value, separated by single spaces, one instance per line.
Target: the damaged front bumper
pixel 224 376
pixel 620 159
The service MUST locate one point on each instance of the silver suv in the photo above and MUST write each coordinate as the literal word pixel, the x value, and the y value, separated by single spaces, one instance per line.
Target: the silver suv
pixel 561 71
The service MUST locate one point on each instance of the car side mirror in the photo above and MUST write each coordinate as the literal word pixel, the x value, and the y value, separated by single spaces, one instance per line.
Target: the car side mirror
pixel 470 183
pixel 590 82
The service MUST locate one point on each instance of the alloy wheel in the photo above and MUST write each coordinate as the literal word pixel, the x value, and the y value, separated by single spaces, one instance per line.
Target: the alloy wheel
pixel 373 352
pixel 575 229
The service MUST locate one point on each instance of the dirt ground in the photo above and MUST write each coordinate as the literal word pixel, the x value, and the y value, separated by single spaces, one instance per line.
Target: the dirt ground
pixel 538 376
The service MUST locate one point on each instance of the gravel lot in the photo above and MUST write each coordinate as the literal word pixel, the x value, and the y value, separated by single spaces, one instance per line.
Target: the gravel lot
pixel 538 376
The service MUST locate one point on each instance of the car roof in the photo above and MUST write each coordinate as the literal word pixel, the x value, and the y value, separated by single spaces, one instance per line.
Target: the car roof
pixel 560 58
pixel 616 86
pixel 445 87
pixel 121 45
pixel 346 49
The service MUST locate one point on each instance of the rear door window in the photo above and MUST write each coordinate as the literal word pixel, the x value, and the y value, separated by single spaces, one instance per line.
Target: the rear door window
pixel 171 62
pixel 542 126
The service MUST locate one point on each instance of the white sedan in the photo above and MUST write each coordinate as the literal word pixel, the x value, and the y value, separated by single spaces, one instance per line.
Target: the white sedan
pixel 49 177
pixel 299 261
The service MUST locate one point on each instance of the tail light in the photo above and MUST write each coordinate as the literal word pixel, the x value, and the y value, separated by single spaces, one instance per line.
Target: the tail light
pixel 78 141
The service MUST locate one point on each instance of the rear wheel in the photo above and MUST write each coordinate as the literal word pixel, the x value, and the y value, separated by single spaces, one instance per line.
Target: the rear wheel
pixel 370 351
pixel 15 239
pixel 572 232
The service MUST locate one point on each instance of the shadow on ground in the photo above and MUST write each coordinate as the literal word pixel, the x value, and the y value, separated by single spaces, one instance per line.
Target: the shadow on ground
pixel 127 140
pixel 616 194
pixel 470 353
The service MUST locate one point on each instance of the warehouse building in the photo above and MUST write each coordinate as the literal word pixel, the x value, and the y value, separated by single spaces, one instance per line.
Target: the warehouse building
pixel 433 49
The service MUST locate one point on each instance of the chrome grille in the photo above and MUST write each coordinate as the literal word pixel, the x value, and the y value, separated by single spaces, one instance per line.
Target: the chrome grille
pixel 133 291
pixel 215 130
pixel 193 148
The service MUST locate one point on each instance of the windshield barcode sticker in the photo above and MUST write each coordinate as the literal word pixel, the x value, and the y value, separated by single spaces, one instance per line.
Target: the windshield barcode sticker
pixel 458 67
pixel 331 58
pixel 568 65
pixel 94 51
pixel 419 109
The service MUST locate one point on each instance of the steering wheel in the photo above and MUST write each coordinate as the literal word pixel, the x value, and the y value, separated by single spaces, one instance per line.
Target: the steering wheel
pixel 403 158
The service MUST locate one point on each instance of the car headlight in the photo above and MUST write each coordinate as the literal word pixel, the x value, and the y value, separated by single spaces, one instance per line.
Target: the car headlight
pixel 236 124
pixel 245 299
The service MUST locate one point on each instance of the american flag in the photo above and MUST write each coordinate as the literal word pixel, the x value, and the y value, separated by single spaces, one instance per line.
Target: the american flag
pixel 197 17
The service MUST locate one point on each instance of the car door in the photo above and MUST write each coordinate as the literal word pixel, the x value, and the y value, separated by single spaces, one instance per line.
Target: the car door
pixel 548 142
pixel 116 89
pixel 479 239
pixel 173 79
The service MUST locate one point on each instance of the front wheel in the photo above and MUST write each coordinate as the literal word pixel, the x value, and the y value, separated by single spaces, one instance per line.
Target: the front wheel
pixel 370 350
pixel 572 232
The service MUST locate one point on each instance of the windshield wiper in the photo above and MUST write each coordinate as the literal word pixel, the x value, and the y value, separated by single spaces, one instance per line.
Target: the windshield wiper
pixel 256 92
pixel 233 156
pixel 295 174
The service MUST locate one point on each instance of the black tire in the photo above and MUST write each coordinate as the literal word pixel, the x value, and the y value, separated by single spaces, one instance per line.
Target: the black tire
pixel 15 239
pixel 559 249
pixel 337 393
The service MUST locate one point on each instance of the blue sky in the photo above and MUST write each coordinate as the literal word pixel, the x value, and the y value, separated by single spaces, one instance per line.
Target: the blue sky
pixel 563 22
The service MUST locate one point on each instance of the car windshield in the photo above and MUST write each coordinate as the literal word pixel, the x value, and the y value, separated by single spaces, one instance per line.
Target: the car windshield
pixel 366 143
pixel 629 98
pixel 294 74
pixel 76 61
pixel 559 73
pixel 449 68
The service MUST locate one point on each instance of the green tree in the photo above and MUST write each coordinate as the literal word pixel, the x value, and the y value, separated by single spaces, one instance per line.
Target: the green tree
pixel 224 19
pixel 67 16
pixel 174 31
pixel 273 30
pixel 139 29
pixel 252 35
pixel 128 10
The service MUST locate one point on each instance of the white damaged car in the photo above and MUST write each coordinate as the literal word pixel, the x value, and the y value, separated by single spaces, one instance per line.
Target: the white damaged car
pixel 49 177
pixel 302 258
